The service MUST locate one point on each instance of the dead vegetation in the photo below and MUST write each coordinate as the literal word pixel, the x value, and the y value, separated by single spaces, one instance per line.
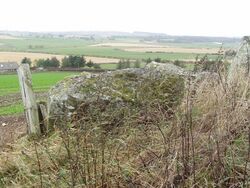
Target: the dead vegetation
pixel 203 141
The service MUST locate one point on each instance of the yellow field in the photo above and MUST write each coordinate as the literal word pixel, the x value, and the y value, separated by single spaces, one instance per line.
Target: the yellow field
pixel 18 56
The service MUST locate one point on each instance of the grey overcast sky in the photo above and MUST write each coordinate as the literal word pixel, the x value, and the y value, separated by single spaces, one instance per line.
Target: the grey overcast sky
pixel 177 17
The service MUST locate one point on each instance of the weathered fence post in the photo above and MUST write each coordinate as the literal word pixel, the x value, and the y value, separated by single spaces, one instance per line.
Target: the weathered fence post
pixel 29 101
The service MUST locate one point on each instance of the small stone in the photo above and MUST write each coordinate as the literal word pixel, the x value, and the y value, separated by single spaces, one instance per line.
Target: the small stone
pixel 4 124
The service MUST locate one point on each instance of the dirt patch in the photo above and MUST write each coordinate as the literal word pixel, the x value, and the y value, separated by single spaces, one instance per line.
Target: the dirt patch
pixel 11 128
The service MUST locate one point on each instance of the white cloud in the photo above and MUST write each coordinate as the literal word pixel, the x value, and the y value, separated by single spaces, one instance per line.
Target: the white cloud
pixel 181 17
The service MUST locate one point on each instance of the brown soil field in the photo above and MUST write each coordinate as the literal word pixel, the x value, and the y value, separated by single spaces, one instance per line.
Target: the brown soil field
pixel 18 56
pixel 8 37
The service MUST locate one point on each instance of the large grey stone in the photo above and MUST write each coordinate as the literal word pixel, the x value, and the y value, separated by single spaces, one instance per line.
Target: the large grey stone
pixel 117 87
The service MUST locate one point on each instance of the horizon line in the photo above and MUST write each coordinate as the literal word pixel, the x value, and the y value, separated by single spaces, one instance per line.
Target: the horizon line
pixel 117 31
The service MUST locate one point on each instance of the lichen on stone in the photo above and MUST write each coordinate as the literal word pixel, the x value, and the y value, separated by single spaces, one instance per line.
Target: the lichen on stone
pixel 119 92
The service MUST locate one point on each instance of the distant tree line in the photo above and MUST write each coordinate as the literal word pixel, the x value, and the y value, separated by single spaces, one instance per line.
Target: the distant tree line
pixel 68 61
pixel 26 61
pixel 203 64
pixel 74 61
pixel 124 64
pixel 53 62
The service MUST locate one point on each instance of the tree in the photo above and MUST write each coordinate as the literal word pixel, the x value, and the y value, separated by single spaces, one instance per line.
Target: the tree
pixel 158 59
pixel 54 62
pixel 65 62
pixel 149 60
pixel 119 64
pixel 230 53
pixel 123 64
pixel 40 63
pixel 96 66
pixel 26 61
pixel 73 61
pixel 137 64
pixel 90 63
pixel 127 64
pixel 179 63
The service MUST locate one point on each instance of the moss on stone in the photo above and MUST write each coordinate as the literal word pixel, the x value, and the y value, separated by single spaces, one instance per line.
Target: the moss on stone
pixel 113 96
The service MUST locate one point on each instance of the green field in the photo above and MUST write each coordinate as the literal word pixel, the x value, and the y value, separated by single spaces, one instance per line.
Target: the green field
pixel 41 81
pixel 9 88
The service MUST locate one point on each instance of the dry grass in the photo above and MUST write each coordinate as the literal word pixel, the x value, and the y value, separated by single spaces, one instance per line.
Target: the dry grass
pixel 18 56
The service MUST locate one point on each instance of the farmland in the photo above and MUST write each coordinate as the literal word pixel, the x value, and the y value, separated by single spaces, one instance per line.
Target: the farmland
pixel 118 48
pixel 10 102
pixel 101 50
pixel 105 51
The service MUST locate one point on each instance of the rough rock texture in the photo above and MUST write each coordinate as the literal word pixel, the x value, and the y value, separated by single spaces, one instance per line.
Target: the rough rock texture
pixel 113 90
pixel 166 68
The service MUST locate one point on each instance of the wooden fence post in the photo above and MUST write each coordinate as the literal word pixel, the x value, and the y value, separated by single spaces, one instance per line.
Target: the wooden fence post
pixel 29 100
